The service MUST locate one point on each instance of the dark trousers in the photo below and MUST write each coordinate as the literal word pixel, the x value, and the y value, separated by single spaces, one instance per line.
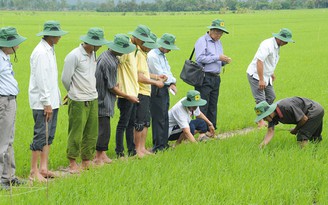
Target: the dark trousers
pixel 159 108
pixel 125 124
pixel 209 91
pixel 103 133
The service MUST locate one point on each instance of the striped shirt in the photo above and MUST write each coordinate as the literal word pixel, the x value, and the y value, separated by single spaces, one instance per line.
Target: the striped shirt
pixel 106 79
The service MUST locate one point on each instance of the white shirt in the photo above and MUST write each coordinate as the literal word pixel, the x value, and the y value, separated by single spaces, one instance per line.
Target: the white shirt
pixel 78 75
pixel 181 116
pixel 43 87
pixel 268 53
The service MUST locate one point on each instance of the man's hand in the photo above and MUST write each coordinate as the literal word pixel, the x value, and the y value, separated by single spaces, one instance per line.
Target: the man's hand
pixel 261 85
pixel 162 78
pixel 47 112
pixel 133 99
pixel 225 59
pixel 159 84
pixel 293 131
pixel 174 88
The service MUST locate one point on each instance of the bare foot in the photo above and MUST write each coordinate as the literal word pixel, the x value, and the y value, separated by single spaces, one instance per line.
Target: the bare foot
pixel 98 162
pixel 146 152
pixel 73 167
pixel 47 174
pixel 106 159
pixel 36 176
pixel 140 154
pixel 86 164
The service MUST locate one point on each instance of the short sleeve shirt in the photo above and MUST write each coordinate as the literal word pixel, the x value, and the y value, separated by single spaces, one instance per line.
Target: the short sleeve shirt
pixel 268 53
pixel 142 66
pixel 181 116
pixel 293 110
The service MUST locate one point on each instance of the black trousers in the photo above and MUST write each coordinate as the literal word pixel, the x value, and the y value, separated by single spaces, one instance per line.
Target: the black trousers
pixel 159 107
pixel 125 124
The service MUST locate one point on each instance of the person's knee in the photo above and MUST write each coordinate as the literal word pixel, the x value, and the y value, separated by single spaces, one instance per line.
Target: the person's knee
pixel 140 126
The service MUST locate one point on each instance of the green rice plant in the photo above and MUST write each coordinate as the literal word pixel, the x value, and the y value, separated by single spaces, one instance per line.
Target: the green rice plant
pixel 231 171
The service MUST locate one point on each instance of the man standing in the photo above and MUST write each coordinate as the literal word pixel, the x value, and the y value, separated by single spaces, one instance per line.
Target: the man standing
pixel 160 98
pixel 306 114
pixel 260 72
pixel 79 80
pixel 128 83
pixel 209 54
pixel 9 43
pixel 106 76
pixel 145 81
pixel 44 98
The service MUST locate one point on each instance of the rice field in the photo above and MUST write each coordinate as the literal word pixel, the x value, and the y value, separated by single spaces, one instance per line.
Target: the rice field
pixel 230 171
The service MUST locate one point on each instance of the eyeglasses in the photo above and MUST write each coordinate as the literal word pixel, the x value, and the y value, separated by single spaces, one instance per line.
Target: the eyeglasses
pixel 217 32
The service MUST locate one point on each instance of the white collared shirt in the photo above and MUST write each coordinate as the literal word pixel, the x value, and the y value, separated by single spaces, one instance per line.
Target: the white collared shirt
pixel 78 75
pixel 43 87
pixel 268 53
pixel 8 84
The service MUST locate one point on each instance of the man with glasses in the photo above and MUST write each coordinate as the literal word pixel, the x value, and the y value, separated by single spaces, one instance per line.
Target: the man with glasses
pixel 209 54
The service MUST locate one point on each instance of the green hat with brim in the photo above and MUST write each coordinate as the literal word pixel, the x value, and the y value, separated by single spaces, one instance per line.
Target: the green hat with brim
pixel 167 41
pixel 193 99
pixel 142 32
pixel 95 37
pixel 121 44
pixel 263 109
pixel 285 35
pixel 9 37
pixel 152 45
pixel 52 28
pixel 218 24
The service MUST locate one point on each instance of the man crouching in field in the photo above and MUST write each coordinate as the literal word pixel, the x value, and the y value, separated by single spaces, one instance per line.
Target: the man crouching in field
pixel 181 126
pixel 44 98
pixel 306 114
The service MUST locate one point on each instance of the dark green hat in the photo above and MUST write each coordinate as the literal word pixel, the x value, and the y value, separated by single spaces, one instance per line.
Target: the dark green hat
pixel 121 44
pixel 263 109
pixel 9 37
pixel 152 45
pixel 193 99
pixel 167 41
pixel 52 28
pixel 95 37
pixel 218 24
pixel 285 35
pixel 142 32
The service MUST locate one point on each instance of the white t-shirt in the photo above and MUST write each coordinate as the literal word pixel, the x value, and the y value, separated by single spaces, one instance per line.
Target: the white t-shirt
pixel 268 53
pixel 181 116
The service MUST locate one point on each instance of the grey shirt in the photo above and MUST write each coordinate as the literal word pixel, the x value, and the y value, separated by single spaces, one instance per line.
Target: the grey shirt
pixel 106 79
pixel 293 109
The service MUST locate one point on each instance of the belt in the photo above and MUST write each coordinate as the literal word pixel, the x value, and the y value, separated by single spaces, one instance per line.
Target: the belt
pixel 10 97
pixel 212 74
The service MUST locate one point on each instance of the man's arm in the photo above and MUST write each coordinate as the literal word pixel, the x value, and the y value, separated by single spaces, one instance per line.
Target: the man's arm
pixel 118 92
pixel 259 67
pixel 269 135
pixel 143 79
pixel 208 122
pixel 188 135
pixel 299 125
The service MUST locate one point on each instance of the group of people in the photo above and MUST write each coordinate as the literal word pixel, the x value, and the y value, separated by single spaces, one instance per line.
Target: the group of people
pixel 135 72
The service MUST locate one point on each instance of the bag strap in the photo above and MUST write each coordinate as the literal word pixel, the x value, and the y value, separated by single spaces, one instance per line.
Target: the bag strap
pixel 192 53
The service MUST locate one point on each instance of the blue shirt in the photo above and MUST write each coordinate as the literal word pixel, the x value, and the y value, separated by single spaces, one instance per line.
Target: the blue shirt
pixel 8 84
pixel 159 65
pixel 208 52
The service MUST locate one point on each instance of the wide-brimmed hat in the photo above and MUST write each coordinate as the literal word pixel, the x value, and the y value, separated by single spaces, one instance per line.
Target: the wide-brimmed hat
pixel 152 45
pixel 95 37
pixel 193 99
pixel 142 32
pixel 218 24
pixel 167 41
pixel 52 28
pixel 285 35
pixel 263 109
pixel 121 44
pixel 9 37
